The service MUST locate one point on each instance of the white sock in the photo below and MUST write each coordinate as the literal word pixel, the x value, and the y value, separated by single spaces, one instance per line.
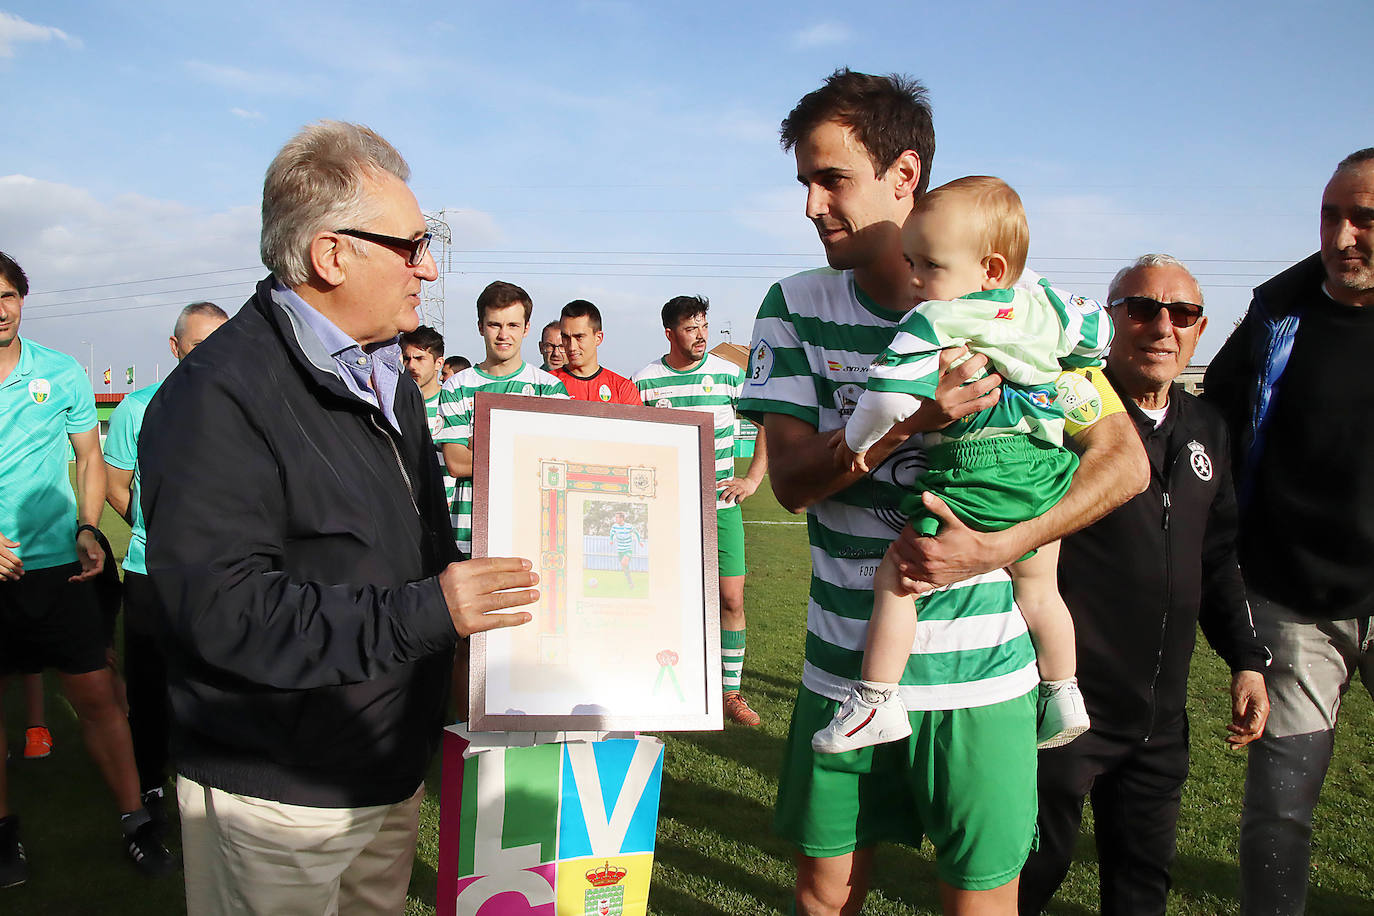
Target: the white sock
pixel 875 692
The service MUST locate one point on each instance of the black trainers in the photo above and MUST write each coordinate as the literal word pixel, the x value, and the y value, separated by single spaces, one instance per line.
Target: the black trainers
pixel 145 850
pixel 14 867
pixel 155 803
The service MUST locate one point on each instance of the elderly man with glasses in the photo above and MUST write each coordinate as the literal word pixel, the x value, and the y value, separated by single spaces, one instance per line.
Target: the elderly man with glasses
pixel 298 539
pixel 1138 582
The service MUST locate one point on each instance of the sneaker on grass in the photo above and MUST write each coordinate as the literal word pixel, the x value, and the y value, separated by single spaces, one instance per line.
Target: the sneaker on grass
pixel 866 717
pixel 1060 713
pixel 155 803
pixel 14 866
pixel 737 710
pixel 144 848
pixel 37 742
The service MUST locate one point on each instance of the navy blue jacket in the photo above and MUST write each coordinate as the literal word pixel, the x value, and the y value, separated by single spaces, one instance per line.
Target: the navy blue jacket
pixel 294 539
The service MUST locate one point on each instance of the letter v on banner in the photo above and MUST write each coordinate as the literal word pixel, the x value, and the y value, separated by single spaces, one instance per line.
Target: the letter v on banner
pixel 555 829
pixel 607 834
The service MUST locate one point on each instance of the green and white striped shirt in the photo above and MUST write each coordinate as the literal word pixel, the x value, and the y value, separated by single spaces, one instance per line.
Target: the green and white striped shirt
pixel 436 424
pixel 815 337
pixel 624 537
pixel 1029 336
pixel 712 385
pixel 455 416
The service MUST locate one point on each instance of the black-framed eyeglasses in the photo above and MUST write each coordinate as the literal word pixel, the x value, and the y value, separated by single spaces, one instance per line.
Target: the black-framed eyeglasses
pixel 1143 308
pixel 414 249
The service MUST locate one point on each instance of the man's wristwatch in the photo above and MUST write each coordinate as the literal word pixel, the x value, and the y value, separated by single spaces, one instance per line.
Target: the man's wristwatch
pixel 91 528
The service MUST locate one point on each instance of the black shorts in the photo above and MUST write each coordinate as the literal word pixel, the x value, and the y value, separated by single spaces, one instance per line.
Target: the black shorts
pixel 48 622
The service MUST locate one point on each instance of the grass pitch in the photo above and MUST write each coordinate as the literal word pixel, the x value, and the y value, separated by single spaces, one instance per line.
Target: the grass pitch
pixel 716 852
pixel 610 583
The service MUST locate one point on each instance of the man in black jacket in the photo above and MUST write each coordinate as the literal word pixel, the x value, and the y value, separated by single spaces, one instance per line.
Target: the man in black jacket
pixel 1138 582
pixel 1292 384
pixel 299 541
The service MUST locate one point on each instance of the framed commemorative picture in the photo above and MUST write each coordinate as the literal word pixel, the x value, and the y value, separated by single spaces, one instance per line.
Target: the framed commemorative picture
pixel 615 507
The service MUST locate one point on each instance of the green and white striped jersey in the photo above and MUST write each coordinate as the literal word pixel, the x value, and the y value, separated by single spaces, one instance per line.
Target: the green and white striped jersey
pixel 436 424
pixel 455 417
pixel 624 537
pixel 712 385
pixel 1029 336
pixel 815 337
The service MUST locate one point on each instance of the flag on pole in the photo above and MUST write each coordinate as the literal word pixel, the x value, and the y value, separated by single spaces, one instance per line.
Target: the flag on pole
pixel 129 376
pixel 107 375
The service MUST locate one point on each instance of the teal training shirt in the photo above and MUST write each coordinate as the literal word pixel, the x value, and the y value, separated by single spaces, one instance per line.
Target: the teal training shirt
pixel 121 451
pixel 46 398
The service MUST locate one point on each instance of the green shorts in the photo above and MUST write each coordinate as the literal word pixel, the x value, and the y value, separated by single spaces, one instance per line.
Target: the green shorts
pixel 965 778
pixel 991 484
pixel 730 540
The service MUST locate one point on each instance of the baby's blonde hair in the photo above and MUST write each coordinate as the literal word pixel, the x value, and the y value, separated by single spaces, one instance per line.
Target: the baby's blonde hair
pixel 999 207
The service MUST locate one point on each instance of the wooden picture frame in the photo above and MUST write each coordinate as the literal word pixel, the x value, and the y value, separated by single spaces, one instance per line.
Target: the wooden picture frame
pixel 615 506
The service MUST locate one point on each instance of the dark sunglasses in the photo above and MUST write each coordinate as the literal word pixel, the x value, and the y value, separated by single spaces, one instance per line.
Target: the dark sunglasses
pixel 414 249
pixel 1143 308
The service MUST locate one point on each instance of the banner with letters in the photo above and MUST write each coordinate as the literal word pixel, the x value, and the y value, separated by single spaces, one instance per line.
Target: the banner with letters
pixel 548 829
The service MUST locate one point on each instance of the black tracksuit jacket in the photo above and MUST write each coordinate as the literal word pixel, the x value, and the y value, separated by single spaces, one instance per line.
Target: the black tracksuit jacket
pixel 1140 580
pixel 294 538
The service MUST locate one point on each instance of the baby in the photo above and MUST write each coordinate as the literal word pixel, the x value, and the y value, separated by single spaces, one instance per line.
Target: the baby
pixel 966 241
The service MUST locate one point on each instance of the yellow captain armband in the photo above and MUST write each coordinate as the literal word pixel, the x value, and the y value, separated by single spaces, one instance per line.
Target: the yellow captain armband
pixel 1086 397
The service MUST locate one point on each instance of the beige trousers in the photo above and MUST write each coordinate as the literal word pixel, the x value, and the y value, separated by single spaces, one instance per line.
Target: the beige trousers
pixel 248 856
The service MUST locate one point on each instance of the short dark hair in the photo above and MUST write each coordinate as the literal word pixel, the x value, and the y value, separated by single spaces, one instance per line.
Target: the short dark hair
pixel 680 308
pixel 426 338
pixel 581 308
pixel 888 114
pixel 500 294
pixel 14 274
pixel 458 363
pixel 208 309
pixel 1359 157
pixel 552 324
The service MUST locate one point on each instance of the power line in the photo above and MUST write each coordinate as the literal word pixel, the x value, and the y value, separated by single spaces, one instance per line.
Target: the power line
pixel 204 273
pixel 124 308
pixel 151 292
pixel 525 267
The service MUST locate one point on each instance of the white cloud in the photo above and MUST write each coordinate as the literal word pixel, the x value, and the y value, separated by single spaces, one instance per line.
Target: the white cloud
pixel 473 230
pixel 14 30
pixel 81 253
pixel 245 114
pixel 821 35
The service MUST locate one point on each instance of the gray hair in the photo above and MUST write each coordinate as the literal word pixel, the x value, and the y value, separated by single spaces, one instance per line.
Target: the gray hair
pixel 1151 260
pixel 316 184
pixel 208 309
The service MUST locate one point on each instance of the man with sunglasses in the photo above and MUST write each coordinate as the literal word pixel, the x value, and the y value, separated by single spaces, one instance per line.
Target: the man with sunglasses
pixel 298 539
pixel 1292 382
pixel 1138 582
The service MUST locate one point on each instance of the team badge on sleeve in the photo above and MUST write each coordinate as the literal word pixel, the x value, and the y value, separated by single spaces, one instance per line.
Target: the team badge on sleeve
pixel 761 364
pixel 1085 305
pixel 1079 398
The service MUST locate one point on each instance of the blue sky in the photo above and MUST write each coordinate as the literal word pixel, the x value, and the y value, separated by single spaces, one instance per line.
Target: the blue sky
pixel 627 152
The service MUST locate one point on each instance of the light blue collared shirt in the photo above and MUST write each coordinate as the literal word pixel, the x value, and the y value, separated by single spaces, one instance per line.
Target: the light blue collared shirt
pixel 371 376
